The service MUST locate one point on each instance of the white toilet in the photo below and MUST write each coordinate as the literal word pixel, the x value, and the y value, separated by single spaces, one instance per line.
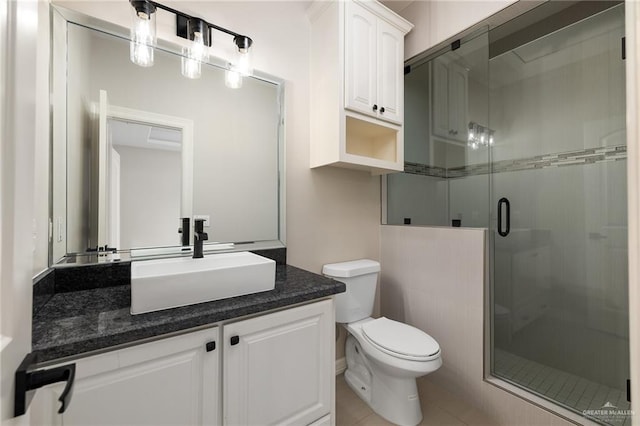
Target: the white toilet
pixel 384 357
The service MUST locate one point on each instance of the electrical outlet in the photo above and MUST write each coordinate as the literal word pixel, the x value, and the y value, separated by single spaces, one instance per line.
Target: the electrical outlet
pixel 202 216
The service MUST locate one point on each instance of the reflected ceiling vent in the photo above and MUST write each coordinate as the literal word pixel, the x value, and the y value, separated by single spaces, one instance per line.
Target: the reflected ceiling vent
pixel 141 135
pixel 170 139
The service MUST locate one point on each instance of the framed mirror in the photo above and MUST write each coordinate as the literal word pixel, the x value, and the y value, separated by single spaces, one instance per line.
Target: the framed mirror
pixel 136 149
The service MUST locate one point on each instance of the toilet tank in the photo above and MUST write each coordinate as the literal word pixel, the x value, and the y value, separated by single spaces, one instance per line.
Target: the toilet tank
pixel 360 278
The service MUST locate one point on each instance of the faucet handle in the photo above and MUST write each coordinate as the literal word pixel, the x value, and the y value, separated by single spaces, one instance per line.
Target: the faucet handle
pixel 184 230
pixel 198 225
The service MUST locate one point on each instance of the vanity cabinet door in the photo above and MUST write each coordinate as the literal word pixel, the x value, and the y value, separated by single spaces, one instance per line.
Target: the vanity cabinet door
pixel 458 102
pixel 360 59
pixel 374 61
pixel 390 72
pixel 279 368
pixel 449 100
pixel 173 381
pixel 440 98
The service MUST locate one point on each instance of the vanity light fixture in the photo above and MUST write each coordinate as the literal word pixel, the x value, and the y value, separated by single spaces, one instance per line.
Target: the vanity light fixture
pixel 143 41
pixel 479 136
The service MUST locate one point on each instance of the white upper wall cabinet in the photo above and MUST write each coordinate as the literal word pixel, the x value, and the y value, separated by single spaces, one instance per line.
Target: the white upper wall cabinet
pixel 357 85
pixel 449 100
pixel 373 65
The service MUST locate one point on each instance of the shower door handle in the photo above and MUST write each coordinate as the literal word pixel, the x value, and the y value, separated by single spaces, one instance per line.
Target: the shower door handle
pixel 504 232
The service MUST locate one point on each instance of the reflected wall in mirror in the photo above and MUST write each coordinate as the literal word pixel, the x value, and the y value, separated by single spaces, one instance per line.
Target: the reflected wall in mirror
pixel 229 173
pixel 149 178
pixel 145 183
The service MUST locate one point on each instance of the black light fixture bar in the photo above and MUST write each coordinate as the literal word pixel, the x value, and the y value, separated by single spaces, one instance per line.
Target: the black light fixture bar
pixel 182 21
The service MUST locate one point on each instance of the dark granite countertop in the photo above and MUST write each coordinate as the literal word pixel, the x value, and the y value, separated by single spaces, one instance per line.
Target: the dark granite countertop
pixel 73 323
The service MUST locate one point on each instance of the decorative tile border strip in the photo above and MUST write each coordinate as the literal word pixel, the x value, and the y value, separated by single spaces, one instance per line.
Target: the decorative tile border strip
pixel 573 158
pixel 423 169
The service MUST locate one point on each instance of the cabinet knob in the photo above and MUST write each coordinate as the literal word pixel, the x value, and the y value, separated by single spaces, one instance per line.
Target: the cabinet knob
pixel 375 107
pixel 210 346
pixel 382 110
pixel 235 340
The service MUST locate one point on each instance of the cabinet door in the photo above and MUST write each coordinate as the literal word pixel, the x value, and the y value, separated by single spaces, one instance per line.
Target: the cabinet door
pixel 458 102
pixel 440 98
pixel 390 72
pixel 173 381
pixel 360 59
pixel 279 368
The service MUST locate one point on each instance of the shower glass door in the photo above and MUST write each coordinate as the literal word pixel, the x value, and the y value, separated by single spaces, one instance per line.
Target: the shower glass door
pixel 559 210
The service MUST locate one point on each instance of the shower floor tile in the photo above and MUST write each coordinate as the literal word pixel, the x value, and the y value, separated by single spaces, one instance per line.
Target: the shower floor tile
pixel 572 391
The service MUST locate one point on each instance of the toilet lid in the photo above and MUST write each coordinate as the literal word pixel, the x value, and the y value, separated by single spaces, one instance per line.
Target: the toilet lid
pixel 401 340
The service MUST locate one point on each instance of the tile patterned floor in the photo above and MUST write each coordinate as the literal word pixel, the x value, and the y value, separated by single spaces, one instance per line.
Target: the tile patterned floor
pixel 439 408
pixel 568 389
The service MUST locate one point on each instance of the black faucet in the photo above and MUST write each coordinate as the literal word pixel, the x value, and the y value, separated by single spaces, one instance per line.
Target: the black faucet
pixel 199 236
pixel 184 230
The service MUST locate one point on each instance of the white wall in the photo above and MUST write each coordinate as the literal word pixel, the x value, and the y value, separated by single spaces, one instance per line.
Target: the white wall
pixel 76 202
pixel 436 21
pixel 42 169
pixel 20 93
pixel 433 279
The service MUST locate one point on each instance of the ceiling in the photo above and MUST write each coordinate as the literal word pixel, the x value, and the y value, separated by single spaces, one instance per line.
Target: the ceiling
pixel 140 135
pixel 397 5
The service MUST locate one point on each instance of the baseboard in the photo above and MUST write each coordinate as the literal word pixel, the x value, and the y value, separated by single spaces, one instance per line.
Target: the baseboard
pixel 341 365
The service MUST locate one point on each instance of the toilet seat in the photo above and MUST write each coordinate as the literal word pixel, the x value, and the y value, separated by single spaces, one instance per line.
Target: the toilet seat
pixel 400 340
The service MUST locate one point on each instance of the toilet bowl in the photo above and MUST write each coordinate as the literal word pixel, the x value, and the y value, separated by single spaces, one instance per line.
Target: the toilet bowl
pixel 384 357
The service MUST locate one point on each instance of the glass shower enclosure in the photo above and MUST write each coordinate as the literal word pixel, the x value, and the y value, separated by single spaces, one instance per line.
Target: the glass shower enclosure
pixel 559 227
pixel 539 158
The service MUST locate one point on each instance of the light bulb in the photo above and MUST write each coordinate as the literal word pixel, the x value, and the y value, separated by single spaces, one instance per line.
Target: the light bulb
pixel 191 68
pixel 193 56
pixel 143 33
pixel 232 79
pixel 141 54
pixel 242 61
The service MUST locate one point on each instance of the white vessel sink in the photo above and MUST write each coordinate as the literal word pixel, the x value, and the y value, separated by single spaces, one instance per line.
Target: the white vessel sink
pixel 169 283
